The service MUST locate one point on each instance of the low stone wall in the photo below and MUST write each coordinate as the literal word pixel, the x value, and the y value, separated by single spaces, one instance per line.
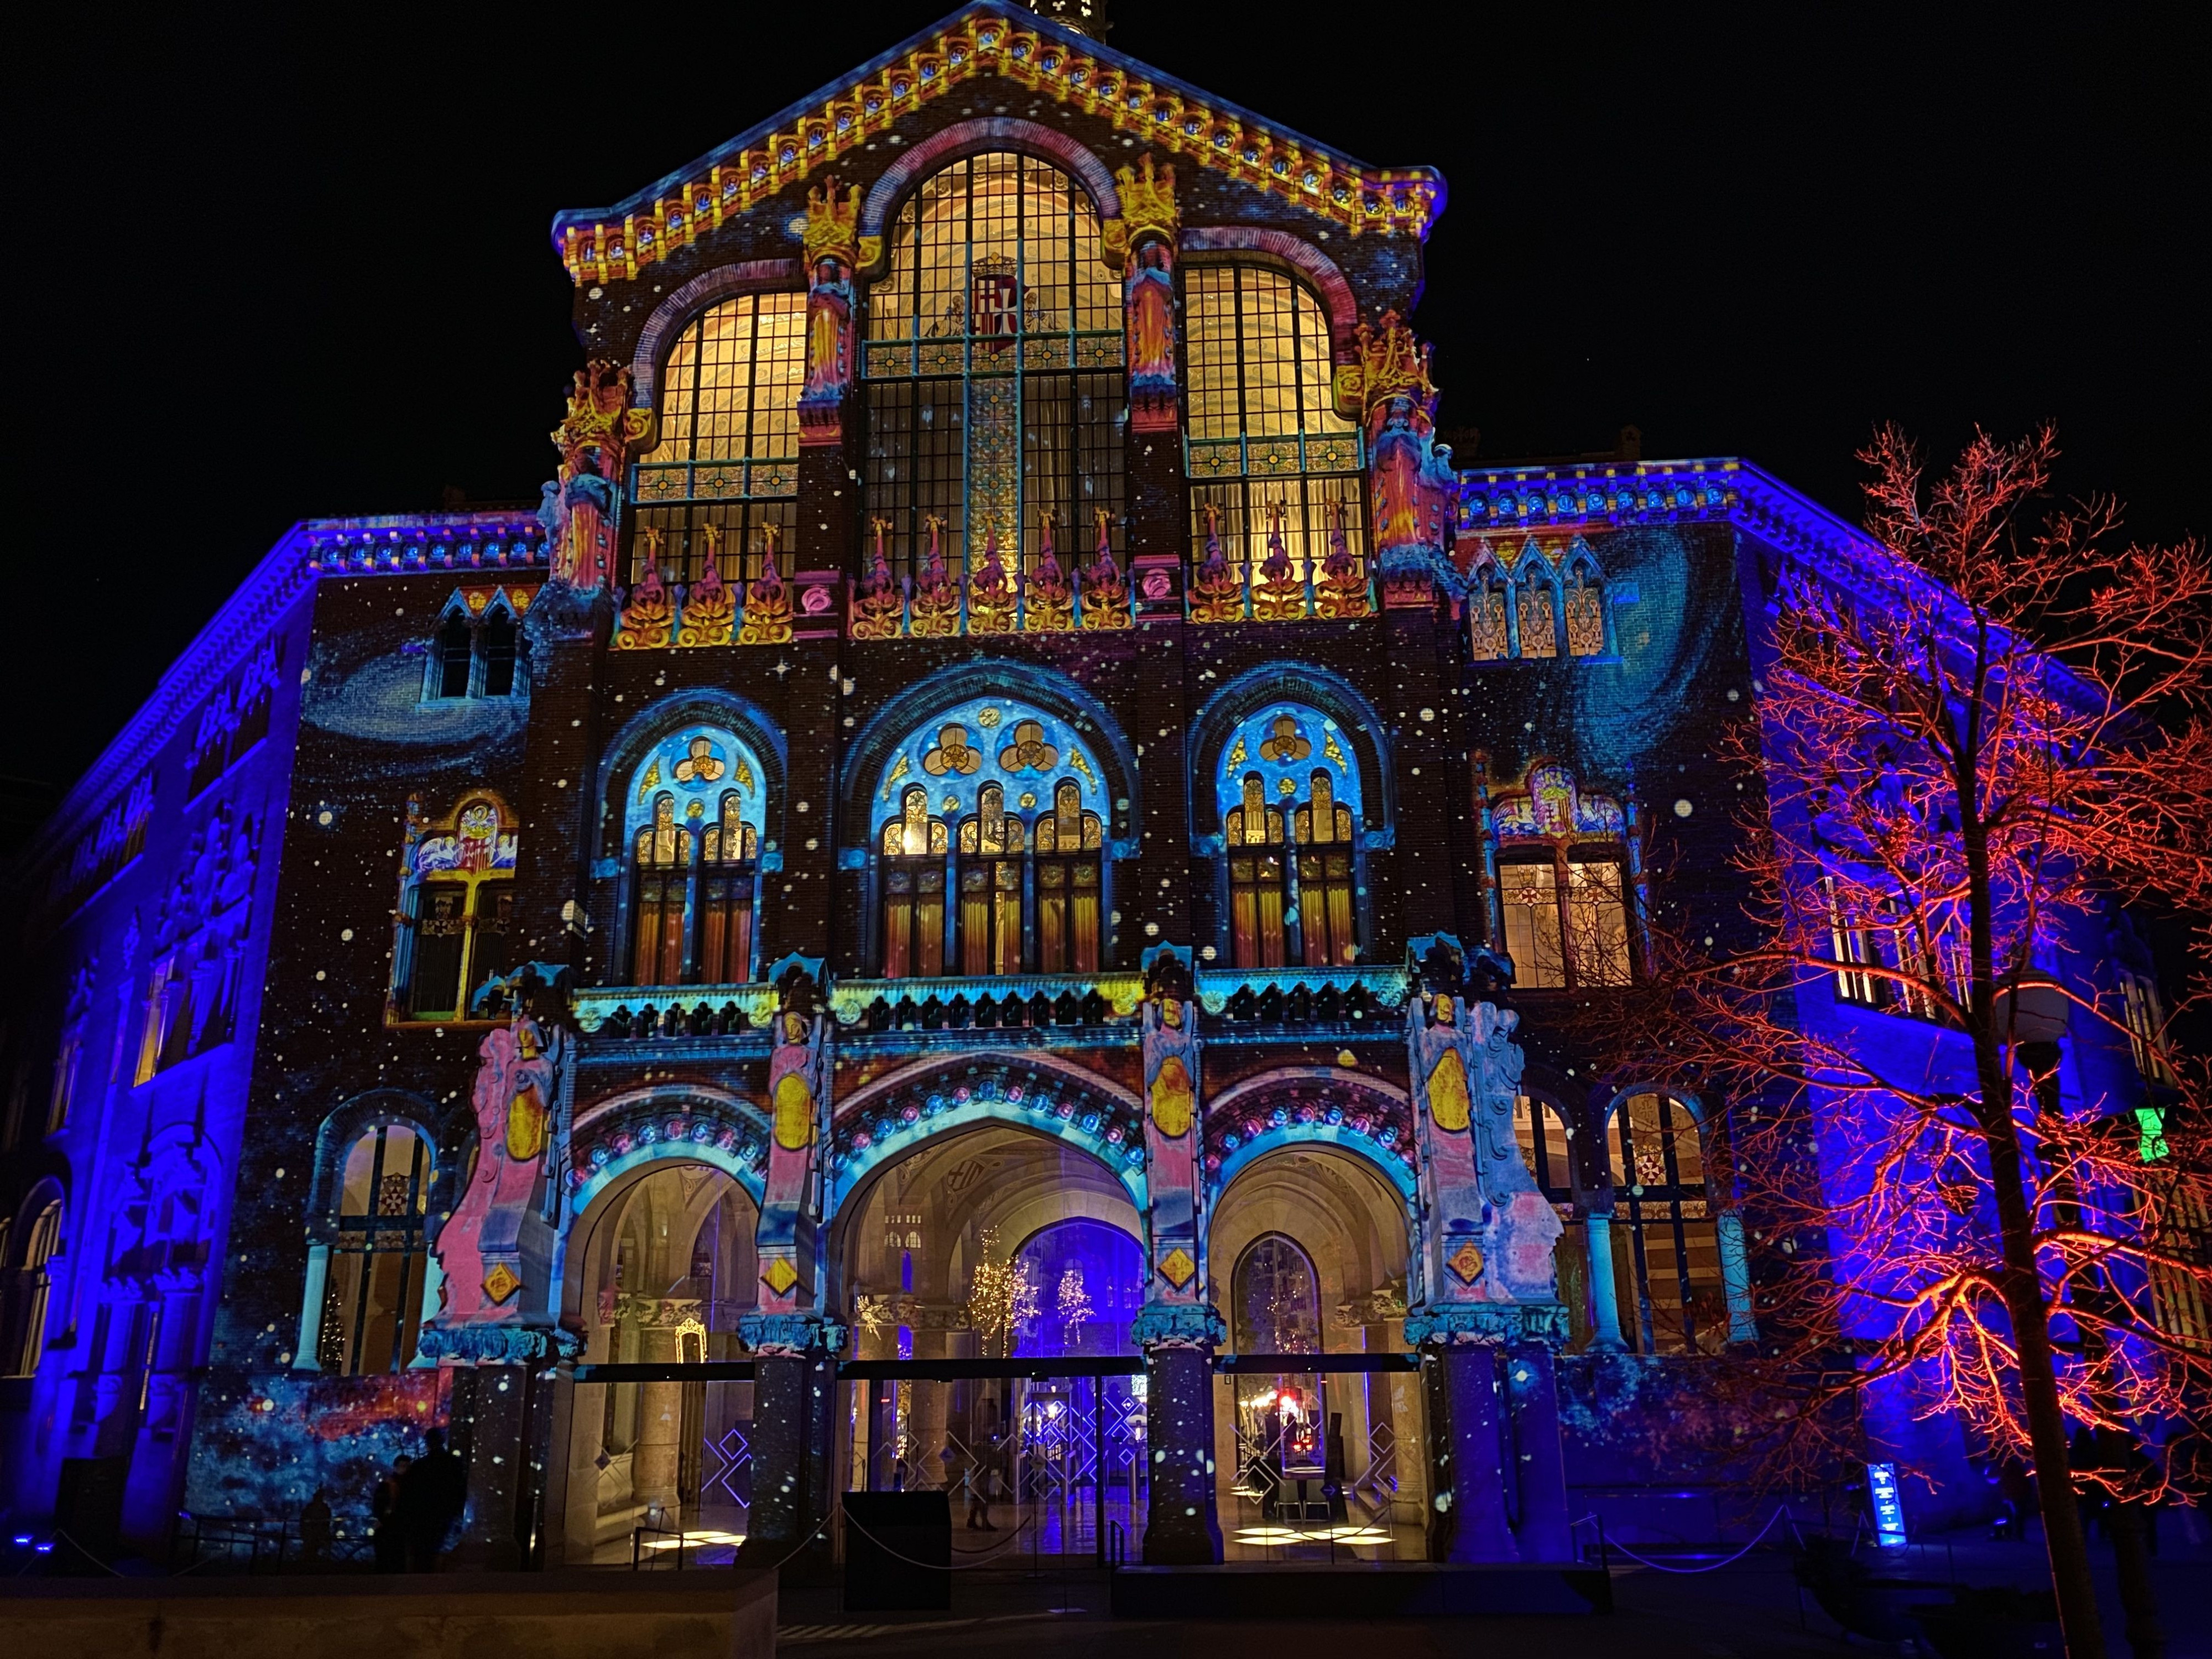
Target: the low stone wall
pixel 607 1615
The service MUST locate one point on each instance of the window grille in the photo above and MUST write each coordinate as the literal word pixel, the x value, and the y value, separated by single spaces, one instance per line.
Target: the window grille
pixel 373 1292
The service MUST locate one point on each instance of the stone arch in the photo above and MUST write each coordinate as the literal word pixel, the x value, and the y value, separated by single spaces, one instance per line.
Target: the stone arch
pixel 1321 689
pixel 1310 1105
pixel 1041 1093
pixel 446 1138
pixel 700 704
pixel 873 746
pixel 977 137
pixel 706 289
pixel 1301 258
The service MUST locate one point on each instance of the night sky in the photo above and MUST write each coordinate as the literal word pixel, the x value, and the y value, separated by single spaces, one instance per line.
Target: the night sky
pixel 269 271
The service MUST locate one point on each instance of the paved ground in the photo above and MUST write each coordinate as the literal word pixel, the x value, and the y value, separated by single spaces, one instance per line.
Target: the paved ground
pixel 1748 1610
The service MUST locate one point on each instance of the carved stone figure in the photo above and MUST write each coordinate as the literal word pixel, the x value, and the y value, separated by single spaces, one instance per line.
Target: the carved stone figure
pixel 490 1249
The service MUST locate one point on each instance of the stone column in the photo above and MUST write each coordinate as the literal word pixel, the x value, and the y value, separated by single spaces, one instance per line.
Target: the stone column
pixel 794 1385
pixel 1532 1391
pixel 1605 1295
pixel 1471 1485
pixel 657 1452
pixel 1181 1526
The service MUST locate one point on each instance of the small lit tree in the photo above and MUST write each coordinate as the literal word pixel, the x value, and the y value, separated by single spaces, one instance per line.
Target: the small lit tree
pixel 1002 1295
pixel 1074 1303
pixel 1960 757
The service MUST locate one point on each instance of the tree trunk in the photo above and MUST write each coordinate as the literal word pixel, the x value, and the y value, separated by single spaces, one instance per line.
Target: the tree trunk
pixel 2039 1382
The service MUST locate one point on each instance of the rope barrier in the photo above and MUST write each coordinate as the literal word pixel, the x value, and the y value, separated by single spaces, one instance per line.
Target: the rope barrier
pixel 1711 1566
pixel 1013 1539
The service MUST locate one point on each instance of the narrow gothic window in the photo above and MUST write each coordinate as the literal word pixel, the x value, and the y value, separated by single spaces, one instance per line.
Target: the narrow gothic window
pixel 663 876
pixel 41 1246
pixel 498 643
pixel 990 863
pixel 1540 629
pixel 1585 609
pixel 914 847
pixel 372 1294
pixel 1674 1296
pixel 1259 879
pixel 727 883
pixel 694 814
pixel 456 643
pixel 1489 638
pixel 1067 851
pixel 1322 831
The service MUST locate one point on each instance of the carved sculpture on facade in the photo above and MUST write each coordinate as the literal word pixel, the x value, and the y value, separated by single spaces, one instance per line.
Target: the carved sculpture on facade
pixel 647 615
pixel 1049 601
pixel 936 593
pixel 832 249
pixel 766 620
pixel 1489 1232
pixel 878 602
pixel 494 1249
pixel 798 1075
pixel 1150 220
pixel 1173 1140
pixel 709 608
pixel 594 441
pixel 1105 589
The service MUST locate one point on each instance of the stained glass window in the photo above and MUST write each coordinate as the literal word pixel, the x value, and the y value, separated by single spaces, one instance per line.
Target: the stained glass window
pixel 1666 1245
pixel 1539 618
pixel 373 1294
pixel 456 932
pixel 729 439
pixel 1269 454
pixel 1547 1147
pixel 1289 797
pixel 693 814
pixel 997 802
pixel 993 364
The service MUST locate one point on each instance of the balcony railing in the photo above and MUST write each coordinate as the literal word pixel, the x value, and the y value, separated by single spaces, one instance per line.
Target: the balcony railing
pixel 1270 995
pixel 674 1010
pixel 985 1003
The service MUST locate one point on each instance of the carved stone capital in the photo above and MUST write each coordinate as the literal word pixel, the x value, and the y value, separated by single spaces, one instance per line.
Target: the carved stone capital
pixel 1492 1324
pixel 1179 1325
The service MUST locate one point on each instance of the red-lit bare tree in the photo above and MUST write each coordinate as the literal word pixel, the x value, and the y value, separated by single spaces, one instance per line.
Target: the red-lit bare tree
pixel 1974 747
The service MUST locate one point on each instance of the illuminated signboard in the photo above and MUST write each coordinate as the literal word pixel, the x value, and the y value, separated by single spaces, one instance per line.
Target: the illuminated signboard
pixel 1888 1508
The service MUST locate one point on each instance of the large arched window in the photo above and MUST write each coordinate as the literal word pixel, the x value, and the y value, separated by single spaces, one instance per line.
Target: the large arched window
pixel 694 816
pixel 372 1290
pixel 728 454
pixel 1289 797
pixel 998 803
pixel 456 910
pixel 993 366
pixel 1547 1146
pixel 1666 1255
pixel 1268 455
pixel 1562 884
pixel 35 1287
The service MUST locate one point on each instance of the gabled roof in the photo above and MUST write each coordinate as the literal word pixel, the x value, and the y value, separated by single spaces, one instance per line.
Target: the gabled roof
pixel 605 244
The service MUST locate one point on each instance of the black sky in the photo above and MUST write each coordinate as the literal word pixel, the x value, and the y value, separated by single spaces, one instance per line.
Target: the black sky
pixel 269 270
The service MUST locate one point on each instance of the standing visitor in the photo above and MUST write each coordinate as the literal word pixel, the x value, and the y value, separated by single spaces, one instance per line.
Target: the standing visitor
pixel 391 1543
pixel 432 1495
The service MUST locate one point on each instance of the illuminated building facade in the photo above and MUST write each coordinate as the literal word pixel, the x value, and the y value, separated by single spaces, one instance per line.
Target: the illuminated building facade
pixel 986 817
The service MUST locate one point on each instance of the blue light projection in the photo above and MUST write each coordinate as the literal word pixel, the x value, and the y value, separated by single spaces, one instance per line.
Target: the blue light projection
pixel 697 767
pixel 999 740
pixel 1284 744
pixel 1090 1282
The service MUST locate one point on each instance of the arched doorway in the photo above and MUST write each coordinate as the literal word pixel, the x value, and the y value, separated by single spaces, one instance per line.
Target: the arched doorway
pixel 659 1266
pixel 979 1248
pixel 1308 1245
